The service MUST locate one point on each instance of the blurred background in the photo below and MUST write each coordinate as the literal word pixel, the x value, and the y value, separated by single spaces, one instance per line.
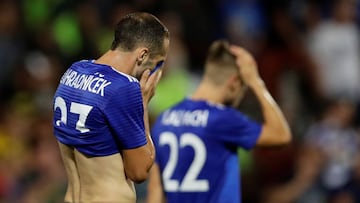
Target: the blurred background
pixel 308 52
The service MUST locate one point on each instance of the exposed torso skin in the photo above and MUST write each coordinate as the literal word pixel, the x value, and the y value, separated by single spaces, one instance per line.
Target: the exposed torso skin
pixel 96 179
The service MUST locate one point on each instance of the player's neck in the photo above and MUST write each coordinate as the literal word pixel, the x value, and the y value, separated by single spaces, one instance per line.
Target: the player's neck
pixel 121 61
pixel 208 93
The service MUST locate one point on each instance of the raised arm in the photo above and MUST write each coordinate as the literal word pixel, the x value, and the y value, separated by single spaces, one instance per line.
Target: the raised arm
pixel 138 161
pixel 275 130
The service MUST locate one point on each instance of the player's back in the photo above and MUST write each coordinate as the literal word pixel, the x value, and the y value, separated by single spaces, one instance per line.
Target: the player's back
pixel 196 145
pixel 85 102
pixel 89 110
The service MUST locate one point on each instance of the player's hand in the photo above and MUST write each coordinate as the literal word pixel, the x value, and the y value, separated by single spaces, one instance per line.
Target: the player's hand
pixel 148 84
pixel 246 64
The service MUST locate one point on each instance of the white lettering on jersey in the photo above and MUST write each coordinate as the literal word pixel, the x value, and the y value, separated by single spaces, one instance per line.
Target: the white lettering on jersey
pixel 197 118
pixel 92 83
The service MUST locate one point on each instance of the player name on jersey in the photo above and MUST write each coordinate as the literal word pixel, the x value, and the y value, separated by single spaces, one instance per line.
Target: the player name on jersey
pixel 92 83
pixel 196 118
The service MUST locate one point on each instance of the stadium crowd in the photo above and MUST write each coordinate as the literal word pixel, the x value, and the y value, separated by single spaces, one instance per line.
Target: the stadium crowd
pixel 308 55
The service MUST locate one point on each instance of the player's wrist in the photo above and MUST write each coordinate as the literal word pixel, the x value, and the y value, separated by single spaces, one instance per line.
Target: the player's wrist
pixel 256 83
pixel 145 106
pixel 146 99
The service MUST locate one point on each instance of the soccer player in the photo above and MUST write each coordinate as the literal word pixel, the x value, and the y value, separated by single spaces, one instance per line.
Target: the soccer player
pixel 100 113
pixel 196 140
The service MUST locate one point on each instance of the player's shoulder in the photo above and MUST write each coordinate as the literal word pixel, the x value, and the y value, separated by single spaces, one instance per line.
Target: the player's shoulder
pixel 171 108
pixel 187 104
pixel 99 79
pixel 222 113
pixel 125 78
pixel 177 106
pixel 193 108
pixel 104 70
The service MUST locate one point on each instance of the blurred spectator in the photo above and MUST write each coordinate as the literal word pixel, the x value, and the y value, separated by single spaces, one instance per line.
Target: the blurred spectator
pixel 42 178
pixel 335 46
pixel 40 74
pixel 15 125
pixel 11 45
pixel 287 67
pixel 335 137
pixel 308 165
pixel 354 186
pixel 326 161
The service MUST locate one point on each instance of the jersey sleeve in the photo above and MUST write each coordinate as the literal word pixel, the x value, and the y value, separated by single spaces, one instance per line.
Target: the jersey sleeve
pixel 125 115
pixel 232 127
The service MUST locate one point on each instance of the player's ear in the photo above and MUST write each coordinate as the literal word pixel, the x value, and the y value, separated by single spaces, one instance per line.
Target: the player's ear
pixel 142 54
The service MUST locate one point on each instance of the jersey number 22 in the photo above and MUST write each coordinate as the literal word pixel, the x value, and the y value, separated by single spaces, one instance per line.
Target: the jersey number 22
pixel 190 182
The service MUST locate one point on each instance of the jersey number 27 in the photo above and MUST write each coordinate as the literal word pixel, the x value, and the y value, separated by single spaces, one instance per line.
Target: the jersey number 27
pixel 82 110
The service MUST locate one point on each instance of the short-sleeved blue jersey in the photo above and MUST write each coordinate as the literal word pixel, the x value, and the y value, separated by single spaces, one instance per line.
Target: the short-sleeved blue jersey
pixel 98 110
pixel 196 144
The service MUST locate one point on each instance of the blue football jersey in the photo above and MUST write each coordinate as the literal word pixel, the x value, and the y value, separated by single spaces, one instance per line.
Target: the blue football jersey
pixel 98 110
pixel 196 149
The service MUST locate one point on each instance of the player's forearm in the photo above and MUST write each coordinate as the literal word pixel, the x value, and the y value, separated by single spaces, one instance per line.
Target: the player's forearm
pixel 275 123
pixel 138 162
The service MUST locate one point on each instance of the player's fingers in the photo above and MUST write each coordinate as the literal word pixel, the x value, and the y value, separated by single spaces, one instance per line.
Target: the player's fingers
pixel 242 54
pixel 144 78
pixel 151 84
pixel 236 50
pixel 158 77
pixel 154 78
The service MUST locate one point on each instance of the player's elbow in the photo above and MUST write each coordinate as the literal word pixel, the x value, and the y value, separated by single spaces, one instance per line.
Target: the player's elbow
pixel 138 175
pixel 137 163
pixel 274 136
pixel 286 134
pixel 283 135
pixel 285 138
pixel 139 172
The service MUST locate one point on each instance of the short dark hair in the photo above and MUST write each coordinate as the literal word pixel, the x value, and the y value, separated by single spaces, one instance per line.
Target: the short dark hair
pixel 140 29
pixel 219 52
pixel 220 62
